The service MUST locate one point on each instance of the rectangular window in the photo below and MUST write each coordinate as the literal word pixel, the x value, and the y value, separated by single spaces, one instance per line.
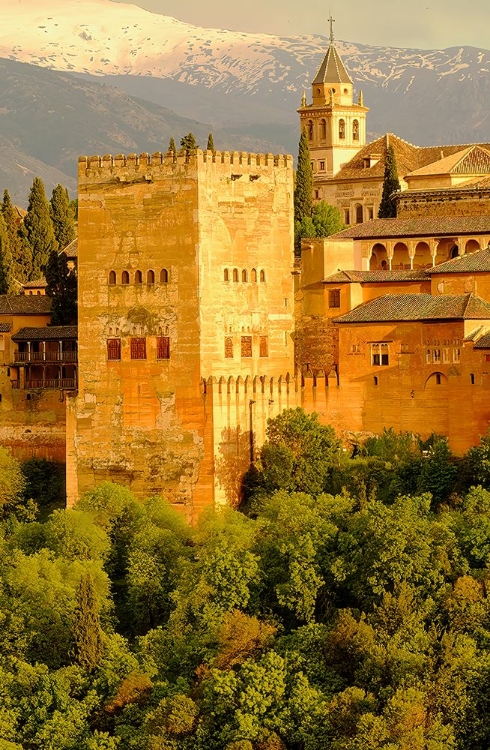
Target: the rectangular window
pixel 163 347
pixel 264 346
pixel 346 216
pixel 436 355
pixel 456 355
pixel 246 346
pixel 487 357
pixel 138 348
pixel 228 347
pixel 445 356
pixel 2 343
pixel 334 298
pixel 322 166
pixel 113 348
pixel 380 355
pixel 428 356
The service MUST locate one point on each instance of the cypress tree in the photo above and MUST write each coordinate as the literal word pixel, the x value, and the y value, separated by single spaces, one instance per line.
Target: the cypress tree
pixel 210 146
pixel 303 191
pixel 171 146
pixel 6 262
pixel 391 184
pixel 87 632
pixel 39 228
pixel 62 288
pixel 62 217
pixel 188 142
pixel 21 265
pixel 23 262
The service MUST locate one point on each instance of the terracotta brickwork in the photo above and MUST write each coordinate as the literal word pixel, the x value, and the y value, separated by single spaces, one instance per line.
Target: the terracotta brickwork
pixel 198 250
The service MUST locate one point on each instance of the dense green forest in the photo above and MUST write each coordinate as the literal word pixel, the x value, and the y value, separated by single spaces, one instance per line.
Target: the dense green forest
pixel 344 606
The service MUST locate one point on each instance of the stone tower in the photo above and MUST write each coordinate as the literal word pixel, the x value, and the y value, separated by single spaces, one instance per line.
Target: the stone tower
pixel 335 125
pixel 185 321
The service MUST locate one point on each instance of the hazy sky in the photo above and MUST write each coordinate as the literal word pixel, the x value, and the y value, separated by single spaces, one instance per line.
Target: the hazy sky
pixel 400 23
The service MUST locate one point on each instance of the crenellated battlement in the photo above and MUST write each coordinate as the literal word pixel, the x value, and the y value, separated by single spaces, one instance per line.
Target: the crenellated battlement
pixel 148 167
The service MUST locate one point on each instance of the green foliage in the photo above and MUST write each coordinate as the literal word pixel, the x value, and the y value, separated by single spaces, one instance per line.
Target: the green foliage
pixel 62 216
pixel 87 633
pixel 38 229
pixel 188 142
pixel 62 288
pixel 6 260
pixel 45 481
pixel 210 144
pixel 298 455
pixel 391 184
pixel 11 480
pixel 21 264
pixel 303 191
pixel 324 221
pixel 171 146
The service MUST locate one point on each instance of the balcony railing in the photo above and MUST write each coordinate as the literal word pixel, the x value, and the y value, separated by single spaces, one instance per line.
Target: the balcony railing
pixel 48 356
pixel 67 384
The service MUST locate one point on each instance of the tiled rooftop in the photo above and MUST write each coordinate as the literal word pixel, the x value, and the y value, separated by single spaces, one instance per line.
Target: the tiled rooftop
pixel 71 250
pixel 430 226
pixel 37 284
pixel 46 333
pixel 409 158
pixel 483 342
pixel 25 304
pixel 332 69
pixel 479 261
pixel 5 327
pixel 347 277
pixel 405 307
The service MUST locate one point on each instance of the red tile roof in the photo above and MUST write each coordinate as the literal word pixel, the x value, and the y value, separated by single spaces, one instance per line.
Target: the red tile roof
pixel 404 307
pixel 25 304
pixel 425 226
pixel 348 277
pixel 471 263
pixel 46 333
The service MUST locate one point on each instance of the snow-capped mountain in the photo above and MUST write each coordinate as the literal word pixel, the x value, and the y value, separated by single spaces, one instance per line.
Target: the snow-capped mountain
pixel 107 38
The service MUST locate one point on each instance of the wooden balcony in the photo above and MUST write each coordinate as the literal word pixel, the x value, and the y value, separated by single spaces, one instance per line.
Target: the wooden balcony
pixel 47 356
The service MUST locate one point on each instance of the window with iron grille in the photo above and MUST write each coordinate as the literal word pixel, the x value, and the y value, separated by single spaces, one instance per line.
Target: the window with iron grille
pixel 246 346
pixel 113 348
pixel 138 348
pixel 163 347
pixel 334 298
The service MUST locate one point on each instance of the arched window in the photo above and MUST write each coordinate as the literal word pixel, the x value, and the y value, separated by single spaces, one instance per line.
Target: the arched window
pixel 310 130
pixel 254 274
pixel 262 275
pixel 323 130
pixel 342 130
pixel 125 277
pixel 112 278
pixel 164 276
pixel 150 277
pixel 244 275
pixel 235 274
pixel 359 215
pixel 138 277
pixel 355 130
pixel 226 275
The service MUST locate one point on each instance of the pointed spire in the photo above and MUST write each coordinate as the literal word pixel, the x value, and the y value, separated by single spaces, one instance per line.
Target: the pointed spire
pixel 360 101
pixel 303 99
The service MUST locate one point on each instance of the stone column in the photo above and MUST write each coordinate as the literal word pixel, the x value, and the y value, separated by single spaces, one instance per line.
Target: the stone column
pixel 389 250
pixel 411 252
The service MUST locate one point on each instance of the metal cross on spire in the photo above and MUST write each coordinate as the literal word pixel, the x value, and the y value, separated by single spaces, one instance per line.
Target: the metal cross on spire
pixel 331 22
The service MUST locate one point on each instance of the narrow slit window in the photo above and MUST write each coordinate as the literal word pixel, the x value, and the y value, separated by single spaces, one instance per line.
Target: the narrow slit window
pixel 112 278
pixel 138 277
pixel 125 278
pixel 150 277
pixel 164 276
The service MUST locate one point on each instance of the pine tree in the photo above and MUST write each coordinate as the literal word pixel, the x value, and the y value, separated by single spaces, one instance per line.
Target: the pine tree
pixel 210 146
pixel 171 146
pixel 188 142
pixel 391 184
pixel 6 262
pixel 39 229
pixel 21 264
pixel 87 632
pixel 62 217
pixel 62 288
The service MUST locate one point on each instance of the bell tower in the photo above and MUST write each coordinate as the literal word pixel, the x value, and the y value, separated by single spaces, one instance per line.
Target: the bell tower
pixel 334 124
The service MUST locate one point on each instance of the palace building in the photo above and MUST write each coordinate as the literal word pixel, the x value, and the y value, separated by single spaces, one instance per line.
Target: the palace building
pixel 196 324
